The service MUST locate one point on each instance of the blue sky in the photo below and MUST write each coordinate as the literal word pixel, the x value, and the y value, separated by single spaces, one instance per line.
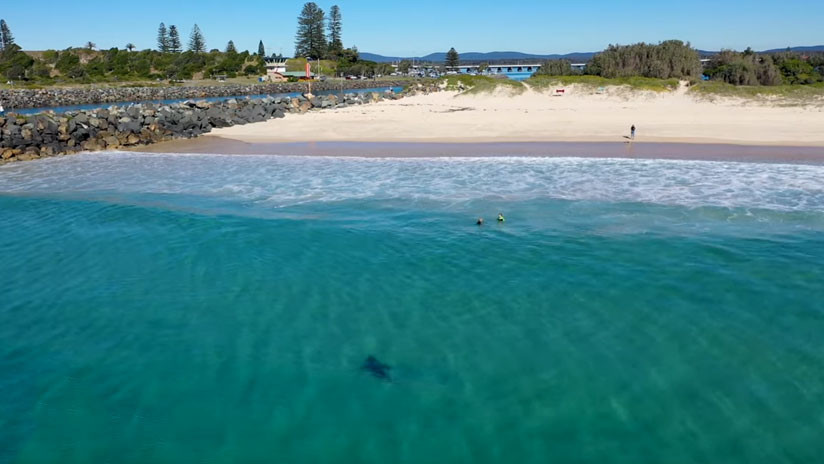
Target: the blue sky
pixel 424 26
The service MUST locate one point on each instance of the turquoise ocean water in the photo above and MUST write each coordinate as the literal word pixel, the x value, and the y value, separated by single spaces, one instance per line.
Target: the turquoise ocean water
pixel 217 309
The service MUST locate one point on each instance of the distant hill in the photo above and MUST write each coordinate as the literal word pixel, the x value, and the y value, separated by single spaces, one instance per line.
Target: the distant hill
pixel 582 57
pixel 480 57
pixel 815 48
pixel 501 56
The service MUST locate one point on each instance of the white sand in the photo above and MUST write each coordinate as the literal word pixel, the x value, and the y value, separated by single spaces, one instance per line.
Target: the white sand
pixel 580 115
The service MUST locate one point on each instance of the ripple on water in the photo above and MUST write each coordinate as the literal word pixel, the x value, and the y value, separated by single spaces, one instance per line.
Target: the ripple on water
pixel 163 308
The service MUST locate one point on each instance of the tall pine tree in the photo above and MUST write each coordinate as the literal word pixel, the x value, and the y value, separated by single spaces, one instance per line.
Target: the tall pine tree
pixel 174 40
pixel 162 39
pixel 196 41
pixel 335 27
pixel 261 50
pixel 453 60
pixel 311 37
pixel 230 47
pixel 6 38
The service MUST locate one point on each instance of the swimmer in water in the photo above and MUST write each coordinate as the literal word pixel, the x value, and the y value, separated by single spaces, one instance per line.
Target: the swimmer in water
pixel 501 217
pixel 480 221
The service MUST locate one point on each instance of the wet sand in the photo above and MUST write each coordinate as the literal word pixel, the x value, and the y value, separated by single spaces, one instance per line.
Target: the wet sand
pixel 641 150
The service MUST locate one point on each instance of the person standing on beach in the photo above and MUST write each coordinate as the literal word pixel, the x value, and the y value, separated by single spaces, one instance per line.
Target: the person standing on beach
pixel 632 132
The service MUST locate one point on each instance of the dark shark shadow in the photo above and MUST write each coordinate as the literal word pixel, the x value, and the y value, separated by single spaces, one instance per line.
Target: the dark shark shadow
pixel 377 369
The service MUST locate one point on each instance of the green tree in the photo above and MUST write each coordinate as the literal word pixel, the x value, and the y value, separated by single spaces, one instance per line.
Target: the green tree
pixel 348 60
pixel 197 43
pixel 311 36
pixel 383 69
pixel 797 71
pixel 335 28
pixel 67 62
pixel 41 70
pixel 404 66
pixel 556 68
pixel 130 47
pixel 14 63
pixel 50 56
pixel 261 49
pixel 174 40
pixel 91 45
pixel 230 47
pixel 747 68
pixel 453 60
pixel 668 59
pixel 162 39
pixel 6 37
pixel 767 72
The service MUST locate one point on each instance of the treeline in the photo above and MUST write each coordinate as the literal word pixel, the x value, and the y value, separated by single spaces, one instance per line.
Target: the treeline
pixel 321 38
pixel 666 60
pixel 87 65
pixel 750 68
pixel 350 64
pixel 317 37
pixel 676 59
pixel 148 64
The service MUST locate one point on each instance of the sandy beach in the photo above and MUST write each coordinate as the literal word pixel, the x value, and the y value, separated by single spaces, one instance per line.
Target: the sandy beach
pixel 581 115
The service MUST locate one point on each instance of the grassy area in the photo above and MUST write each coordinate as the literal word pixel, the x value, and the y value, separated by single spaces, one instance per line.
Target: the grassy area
pixel 787 92
pixel 326 67
pixel 482 84
pixel 637 83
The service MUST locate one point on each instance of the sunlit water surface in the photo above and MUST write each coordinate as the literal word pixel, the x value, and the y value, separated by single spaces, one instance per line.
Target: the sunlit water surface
pixel 217 309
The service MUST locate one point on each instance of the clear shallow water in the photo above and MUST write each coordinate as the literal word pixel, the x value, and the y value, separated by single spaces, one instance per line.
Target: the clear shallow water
pixel 189 308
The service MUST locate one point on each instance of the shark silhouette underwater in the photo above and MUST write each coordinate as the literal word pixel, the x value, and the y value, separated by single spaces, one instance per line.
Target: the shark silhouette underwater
pixel 377 369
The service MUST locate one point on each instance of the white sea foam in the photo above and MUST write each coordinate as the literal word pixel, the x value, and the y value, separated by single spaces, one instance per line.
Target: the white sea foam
pixel 281 181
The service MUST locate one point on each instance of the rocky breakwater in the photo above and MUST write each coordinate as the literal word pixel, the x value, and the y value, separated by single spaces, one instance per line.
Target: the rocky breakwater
pixel 25 138
pixel 54 97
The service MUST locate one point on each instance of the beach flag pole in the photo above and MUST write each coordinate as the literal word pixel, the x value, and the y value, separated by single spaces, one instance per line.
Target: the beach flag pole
pixel 309 75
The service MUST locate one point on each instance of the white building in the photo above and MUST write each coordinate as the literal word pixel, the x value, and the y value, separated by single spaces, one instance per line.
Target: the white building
pixel 275 68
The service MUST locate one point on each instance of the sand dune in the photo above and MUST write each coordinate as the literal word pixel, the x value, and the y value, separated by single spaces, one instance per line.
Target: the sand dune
pixel 580 115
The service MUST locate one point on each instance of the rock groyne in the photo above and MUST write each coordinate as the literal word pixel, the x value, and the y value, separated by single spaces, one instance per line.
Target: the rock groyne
pixel 46 134
pixel 55 97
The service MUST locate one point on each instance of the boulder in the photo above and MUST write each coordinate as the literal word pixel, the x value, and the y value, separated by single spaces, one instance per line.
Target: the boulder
pixel 111 141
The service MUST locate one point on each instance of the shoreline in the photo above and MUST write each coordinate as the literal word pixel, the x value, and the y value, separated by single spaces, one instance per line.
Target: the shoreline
pixel 432 123
pixel 580 116
pixel 210 144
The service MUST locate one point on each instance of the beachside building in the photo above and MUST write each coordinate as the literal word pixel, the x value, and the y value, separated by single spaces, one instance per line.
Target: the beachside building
pixel 276 69
pixel 298 74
